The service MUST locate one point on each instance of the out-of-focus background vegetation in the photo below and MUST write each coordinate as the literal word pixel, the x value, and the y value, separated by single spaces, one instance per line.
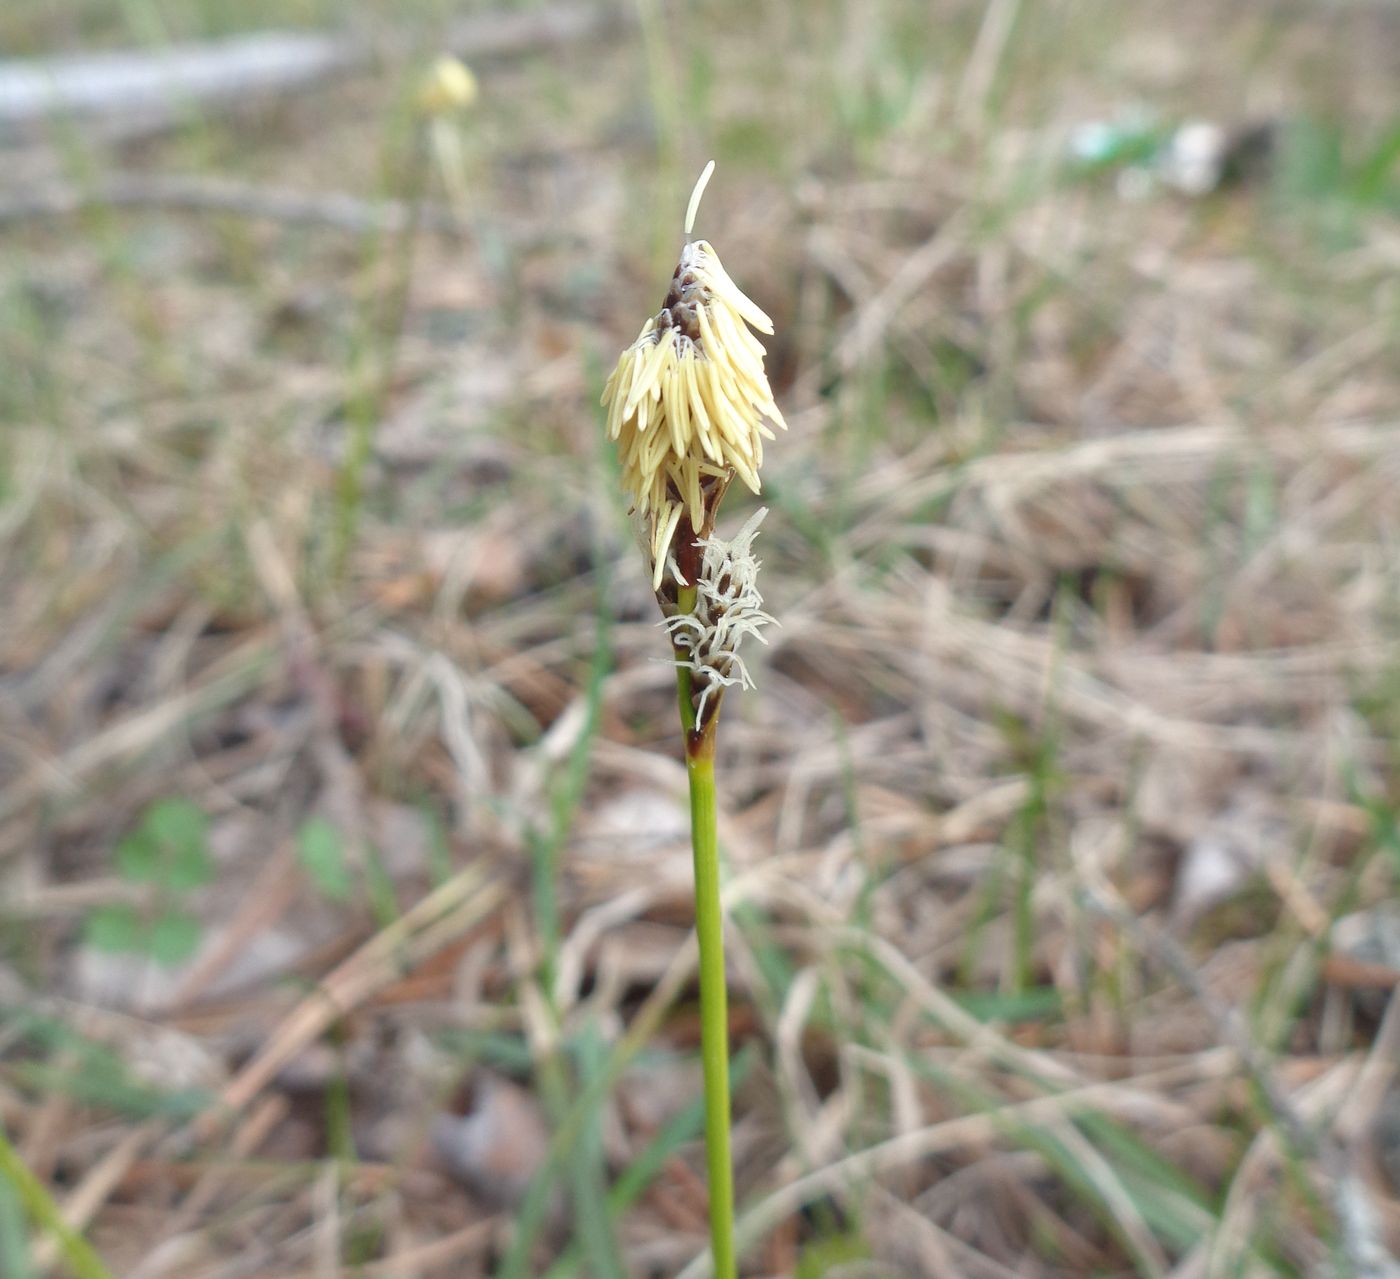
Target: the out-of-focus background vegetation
pixel 344 884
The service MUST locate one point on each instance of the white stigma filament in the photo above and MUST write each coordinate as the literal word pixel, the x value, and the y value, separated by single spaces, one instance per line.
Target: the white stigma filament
pixel 728 607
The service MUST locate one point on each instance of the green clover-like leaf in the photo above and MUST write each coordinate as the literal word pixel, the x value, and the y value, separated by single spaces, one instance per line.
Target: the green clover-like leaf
pixel 322 855
pixel 115 928
pixel 180 831
pixel 173 938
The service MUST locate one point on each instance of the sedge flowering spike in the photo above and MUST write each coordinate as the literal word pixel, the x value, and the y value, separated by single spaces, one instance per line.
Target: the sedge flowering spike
pixel 689 403
pixel 689 406
pixel 728 608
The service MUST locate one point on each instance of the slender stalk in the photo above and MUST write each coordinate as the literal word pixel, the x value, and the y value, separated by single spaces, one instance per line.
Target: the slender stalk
pixel 682 438
pixel 714 1011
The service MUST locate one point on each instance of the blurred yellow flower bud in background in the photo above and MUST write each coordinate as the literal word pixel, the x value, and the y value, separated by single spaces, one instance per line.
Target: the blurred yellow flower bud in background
pixel 449 86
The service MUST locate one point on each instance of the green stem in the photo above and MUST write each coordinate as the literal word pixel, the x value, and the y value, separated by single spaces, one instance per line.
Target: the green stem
pixel 714 1013
pixel 709 931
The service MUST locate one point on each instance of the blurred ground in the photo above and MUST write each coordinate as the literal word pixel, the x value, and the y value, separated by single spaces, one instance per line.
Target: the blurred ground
pixel 342 829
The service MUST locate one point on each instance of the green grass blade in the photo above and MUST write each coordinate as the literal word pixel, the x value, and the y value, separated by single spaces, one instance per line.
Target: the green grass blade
pixel 589 1174
pixel 14 1247
pixel 80 1255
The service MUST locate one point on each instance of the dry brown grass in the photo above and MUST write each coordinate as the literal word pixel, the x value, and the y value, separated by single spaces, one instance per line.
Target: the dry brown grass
pixel 1079 735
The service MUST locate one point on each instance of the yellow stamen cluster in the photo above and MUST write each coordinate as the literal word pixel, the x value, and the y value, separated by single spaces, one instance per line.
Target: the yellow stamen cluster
pixel 689 398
